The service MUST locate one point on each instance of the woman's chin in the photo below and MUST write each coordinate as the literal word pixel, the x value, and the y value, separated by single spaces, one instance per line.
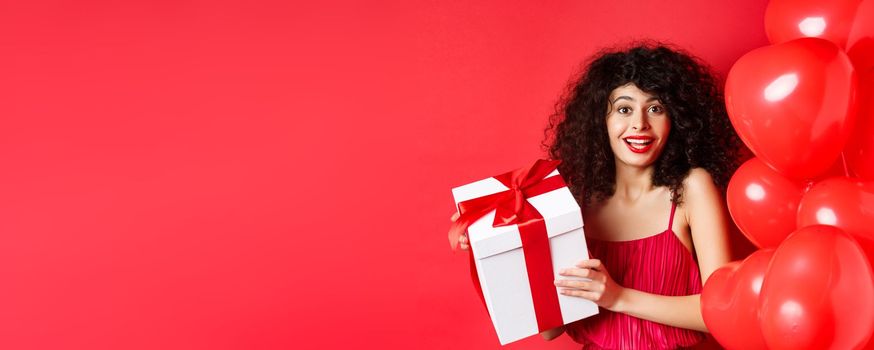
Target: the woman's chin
pixel 636 162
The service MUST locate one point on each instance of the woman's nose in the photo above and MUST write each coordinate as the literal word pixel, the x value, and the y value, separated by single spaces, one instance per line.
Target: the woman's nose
pixel 640 122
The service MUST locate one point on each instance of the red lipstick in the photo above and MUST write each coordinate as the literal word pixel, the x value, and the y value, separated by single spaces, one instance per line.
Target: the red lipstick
pixel 639 143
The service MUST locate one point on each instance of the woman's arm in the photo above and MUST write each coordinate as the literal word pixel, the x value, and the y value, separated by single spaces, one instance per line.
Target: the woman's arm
pixel 677 311
pixel 708 222
pixel 682 311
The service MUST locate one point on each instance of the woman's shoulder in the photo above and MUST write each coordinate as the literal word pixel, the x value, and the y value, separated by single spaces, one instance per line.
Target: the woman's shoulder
pixel 699 184
pixel 698 178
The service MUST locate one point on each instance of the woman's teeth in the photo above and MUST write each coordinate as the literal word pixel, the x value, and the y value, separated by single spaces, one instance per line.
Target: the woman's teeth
pixel 638 142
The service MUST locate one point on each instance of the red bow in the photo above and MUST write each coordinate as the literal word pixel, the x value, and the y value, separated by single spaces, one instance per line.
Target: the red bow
pixel 510 205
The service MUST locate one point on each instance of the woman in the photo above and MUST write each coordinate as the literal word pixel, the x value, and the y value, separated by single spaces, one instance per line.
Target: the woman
pixel 647 149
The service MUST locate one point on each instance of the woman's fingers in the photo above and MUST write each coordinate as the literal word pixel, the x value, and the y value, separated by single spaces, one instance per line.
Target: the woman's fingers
pixel 582 294
pixel 598 286
pixel 575 272
pixel 462 240
pixel 581 272
pixel 589 273
pixel 591 264
pixel 585 285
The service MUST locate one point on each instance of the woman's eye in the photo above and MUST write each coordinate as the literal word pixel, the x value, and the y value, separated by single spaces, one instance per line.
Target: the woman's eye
pixel 623 110
pixel 656 109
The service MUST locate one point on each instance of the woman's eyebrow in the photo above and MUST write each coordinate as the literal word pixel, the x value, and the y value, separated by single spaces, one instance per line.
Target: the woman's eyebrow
pixel 623 98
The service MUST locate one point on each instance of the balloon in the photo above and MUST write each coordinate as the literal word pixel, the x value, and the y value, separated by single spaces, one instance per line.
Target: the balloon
pixel 860 44
pixel 844 203
pixel 859 151
pixel 793 104
pixel 818 292
pixel 730 302
pixel 763 203
pixel 792 19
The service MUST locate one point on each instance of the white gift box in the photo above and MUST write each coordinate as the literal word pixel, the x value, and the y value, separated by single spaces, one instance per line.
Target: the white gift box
pixel 500 262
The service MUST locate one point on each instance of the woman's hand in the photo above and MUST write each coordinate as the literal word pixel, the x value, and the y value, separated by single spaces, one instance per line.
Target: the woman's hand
pixel 598 287
pixel 462 239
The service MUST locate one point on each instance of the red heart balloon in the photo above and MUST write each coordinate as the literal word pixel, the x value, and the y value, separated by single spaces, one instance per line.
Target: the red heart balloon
pixel 792 19
pixel 730 302
pixel 860 43
pixel 793 104
pixel 859 151
pixel 818 292
pixel 844 203
pixel 763 203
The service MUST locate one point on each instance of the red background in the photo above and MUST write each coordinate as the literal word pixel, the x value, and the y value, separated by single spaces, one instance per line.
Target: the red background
pixel 264 175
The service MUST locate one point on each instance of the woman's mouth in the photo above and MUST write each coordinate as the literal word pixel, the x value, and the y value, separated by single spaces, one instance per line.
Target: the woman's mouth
pixel 639 144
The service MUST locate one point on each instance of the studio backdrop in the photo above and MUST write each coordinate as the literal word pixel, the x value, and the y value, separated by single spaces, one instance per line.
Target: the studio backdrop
pixel 276 174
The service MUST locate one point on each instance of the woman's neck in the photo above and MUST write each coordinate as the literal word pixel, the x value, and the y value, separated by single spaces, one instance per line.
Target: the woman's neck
pixel 632 183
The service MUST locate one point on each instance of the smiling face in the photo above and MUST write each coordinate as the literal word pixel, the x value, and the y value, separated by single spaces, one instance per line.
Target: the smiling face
pixel 637 125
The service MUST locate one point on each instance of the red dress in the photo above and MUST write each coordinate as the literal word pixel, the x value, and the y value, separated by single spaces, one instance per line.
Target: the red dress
pixel 657 264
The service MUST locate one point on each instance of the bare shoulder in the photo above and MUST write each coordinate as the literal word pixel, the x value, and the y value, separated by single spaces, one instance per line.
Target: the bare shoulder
pixel 699 183
pixel 702 198
pixel 700 193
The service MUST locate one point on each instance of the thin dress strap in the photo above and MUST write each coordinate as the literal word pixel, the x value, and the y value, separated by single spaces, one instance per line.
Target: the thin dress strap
pixel 671 221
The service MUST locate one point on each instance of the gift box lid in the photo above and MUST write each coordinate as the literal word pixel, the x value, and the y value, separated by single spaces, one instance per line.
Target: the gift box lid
pixel 559 209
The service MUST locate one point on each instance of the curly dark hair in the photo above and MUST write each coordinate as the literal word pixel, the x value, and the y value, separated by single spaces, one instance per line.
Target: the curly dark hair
pixel 701 134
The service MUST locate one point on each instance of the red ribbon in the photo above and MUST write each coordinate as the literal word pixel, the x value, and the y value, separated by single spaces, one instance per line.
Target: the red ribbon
pixel 512 208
